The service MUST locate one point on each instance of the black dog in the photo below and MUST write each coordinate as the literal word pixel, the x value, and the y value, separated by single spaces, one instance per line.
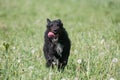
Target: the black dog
pixel 57 44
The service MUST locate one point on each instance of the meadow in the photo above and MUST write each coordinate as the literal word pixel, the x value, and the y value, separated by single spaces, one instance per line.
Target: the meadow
pixel 93 27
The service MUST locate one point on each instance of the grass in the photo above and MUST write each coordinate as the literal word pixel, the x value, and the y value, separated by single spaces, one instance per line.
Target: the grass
pixel 93 27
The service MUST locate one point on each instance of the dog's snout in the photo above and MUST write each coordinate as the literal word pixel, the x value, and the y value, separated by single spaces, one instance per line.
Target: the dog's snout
pixel 54 29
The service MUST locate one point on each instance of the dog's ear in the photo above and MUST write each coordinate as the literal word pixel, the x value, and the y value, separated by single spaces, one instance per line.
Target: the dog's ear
pixel 48 21
pixel 60 22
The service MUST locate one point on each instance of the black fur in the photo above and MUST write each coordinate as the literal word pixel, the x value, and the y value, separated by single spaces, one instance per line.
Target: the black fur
pixel 56 49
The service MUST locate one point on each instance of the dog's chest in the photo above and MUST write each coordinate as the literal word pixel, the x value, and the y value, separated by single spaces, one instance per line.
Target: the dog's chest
pixel 59 49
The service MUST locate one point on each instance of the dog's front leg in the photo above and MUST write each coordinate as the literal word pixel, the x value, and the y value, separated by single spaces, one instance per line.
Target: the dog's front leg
pixel 62 65
pixel 50 60
pixel 50 57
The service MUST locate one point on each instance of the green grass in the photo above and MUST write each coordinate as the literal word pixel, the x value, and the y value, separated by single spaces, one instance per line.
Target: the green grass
pixel 93 27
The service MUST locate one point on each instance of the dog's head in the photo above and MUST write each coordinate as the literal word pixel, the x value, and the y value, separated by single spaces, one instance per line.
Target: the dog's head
pixel 54 29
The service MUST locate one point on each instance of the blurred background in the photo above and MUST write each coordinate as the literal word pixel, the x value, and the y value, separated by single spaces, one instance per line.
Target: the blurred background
pixel 93 27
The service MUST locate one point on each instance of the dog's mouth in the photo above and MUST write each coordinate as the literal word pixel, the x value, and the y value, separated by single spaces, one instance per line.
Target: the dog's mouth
pixel 53 36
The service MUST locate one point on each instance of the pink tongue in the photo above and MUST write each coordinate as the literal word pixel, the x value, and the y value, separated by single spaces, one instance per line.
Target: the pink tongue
pixel 51 34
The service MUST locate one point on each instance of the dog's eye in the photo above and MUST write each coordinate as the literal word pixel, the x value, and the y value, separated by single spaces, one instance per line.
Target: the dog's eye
pixel 59 24
pixel 51 24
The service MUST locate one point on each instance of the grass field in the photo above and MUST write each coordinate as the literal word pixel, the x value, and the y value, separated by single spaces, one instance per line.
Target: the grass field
pixel 93 27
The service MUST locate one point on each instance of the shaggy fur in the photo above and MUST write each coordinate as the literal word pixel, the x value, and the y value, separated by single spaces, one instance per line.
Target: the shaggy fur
pixel 56 49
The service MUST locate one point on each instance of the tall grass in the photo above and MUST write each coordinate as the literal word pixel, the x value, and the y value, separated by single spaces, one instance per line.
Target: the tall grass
pixel 93 27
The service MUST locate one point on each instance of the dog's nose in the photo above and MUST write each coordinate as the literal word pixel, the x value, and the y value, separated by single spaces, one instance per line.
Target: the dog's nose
pixel 55 30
